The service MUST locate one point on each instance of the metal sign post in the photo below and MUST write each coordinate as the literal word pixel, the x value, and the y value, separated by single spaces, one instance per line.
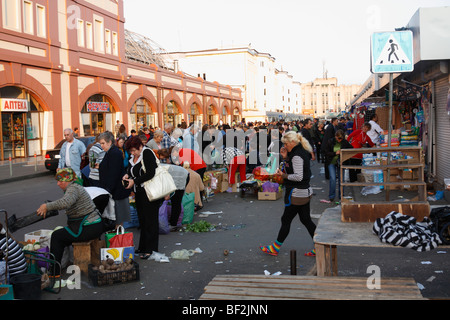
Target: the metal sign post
pixel 392 52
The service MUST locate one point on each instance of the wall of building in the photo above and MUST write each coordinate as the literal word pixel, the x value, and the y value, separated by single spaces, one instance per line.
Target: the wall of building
pixel 264 87
pixel 46 50
pixel 323 96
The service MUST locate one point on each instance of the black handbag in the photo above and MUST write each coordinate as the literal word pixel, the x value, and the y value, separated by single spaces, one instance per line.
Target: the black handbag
pixel 441 223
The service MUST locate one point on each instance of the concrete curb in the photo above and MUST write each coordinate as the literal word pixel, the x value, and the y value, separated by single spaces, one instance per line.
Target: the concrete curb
pixel 26 177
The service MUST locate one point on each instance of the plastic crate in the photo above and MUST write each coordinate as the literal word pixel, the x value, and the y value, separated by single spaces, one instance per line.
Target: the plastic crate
pixel 99 279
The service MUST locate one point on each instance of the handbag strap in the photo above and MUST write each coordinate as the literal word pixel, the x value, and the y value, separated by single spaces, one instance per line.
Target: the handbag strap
pixel 142 161
pixel 120 227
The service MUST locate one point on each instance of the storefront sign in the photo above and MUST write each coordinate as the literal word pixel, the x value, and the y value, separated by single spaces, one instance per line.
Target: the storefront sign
pixel 14 105
pixel 97 106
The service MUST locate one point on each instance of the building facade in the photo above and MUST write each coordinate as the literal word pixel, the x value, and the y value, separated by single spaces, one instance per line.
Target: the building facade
pixel 267 91
pixel 324 97
pixel 63 65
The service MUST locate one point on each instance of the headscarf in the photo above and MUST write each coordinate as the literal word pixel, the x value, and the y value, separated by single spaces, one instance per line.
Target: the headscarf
pixel 65 175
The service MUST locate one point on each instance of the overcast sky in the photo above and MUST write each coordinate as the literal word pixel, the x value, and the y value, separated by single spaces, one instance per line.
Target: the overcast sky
pixel 301 35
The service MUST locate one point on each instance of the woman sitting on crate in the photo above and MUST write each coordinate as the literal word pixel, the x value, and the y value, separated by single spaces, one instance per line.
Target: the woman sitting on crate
pixel 84 222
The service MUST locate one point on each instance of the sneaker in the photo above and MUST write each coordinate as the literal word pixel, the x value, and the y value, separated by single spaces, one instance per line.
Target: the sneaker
pixel 266 249
pixel 311 253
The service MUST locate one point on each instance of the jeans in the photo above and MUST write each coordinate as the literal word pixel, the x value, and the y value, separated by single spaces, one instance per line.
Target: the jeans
pixel 334 174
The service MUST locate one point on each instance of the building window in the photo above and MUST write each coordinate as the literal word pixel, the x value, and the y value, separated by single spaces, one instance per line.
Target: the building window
pixel 11 14
pixel 28 25
pixel 40 21
pixel 89 42
pixel 108 41
pixel 80 29
pixel 99 38
pixel 115 43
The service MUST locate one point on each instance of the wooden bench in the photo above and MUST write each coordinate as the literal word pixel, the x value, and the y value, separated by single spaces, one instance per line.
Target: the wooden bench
pixel 85 253
pixel 260 287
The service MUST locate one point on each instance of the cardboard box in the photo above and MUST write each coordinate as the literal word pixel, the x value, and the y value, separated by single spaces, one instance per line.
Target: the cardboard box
pixel 225 176
pixel 36 236
pixel 119 255
pixel 407 174
pixel 270 195
pixel 223 186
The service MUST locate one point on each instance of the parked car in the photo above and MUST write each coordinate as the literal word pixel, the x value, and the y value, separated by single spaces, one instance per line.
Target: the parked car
pixel 52 156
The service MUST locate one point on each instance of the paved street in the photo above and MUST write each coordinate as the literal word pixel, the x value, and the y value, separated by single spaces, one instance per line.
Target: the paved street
pixel 242 225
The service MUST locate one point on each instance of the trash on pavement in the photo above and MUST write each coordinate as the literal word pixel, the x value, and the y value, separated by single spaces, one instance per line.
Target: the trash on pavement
pixel 184 254
pixel 158 257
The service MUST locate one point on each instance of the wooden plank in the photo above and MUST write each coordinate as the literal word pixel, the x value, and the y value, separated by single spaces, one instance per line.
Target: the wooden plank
pixel 258 287
pixel 315 293
pixel 369 212
pixel 336 288
pixel 399 183
pixel 385 166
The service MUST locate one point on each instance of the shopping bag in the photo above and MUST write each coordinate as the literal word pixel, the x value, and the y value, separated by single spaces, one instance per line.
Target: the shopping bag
pixel 121 239
pixel 164 212
pixel 188 203
pixel 134 219
pixel 161 184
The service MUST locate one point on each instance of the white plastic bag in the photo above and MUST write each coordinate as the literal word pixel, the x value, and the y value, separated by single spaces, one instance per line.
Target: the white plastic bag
pixel 370 190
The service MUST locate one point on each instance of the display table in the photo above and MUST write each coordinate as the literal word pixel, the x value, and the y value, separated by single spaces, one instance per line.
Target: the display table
pixel 332 232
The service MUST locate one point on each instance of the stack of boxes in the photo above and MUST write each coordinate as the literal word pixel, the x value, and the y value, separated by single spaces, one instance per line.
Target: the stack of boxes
pixel 404 175
pixel 215 181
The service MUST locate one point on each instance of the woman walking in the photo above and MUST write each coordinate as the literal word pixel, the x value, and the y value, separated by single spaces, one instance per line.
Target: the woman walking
pixel 142 168
pixel 297 155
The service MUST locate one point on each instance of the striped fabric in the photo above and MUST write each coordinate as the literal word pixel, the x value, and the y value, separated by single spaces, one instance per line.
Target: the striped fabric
pixel 401 230
pixel 16 259
pixel 297 164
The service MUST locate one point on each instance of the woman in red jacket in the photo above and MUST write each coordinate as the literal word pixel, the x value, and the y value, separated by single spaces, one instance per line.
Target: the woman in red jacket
pixel 179 156
pixel 359 139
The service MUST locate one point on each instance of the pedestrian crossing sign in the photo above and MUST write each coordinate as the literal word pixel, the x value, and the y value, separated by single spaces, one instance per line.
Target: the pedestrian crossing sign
pixel 392 52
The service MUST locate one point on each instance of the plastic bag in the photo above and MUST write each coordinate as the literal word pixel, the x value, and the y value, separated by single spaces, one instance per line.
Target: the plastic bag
pixel 122 239
pixel 270 186
pixel 182 254
pixel 370 190
pixel 164 213
pixel 134 220
pixel 188 203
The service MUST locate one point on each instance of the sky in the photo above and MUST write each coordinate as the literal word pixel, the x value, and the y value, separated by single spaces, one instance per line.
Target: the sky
pixel 302 36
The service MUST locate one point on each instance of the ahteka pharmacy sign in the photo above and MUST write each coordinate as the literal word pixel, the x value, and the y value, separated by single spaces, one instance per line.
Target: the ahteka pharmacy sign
pixel 14 105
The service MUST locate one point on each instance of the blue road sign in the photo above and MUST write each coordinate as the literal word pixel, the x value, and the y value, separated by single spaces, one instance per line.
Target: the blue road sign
pixel 392 52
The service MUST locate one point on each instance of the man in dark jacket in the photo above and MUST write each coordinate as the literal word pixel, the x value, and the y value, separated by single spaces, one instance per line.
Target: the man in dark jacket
pixel 332 152
pixel 306 133
pixel 111 171
pixel 330 131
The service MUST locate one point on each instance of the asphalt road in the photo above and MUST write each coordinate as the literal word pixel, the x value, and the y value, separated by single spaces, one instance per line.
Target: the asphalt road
pixel 242 225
